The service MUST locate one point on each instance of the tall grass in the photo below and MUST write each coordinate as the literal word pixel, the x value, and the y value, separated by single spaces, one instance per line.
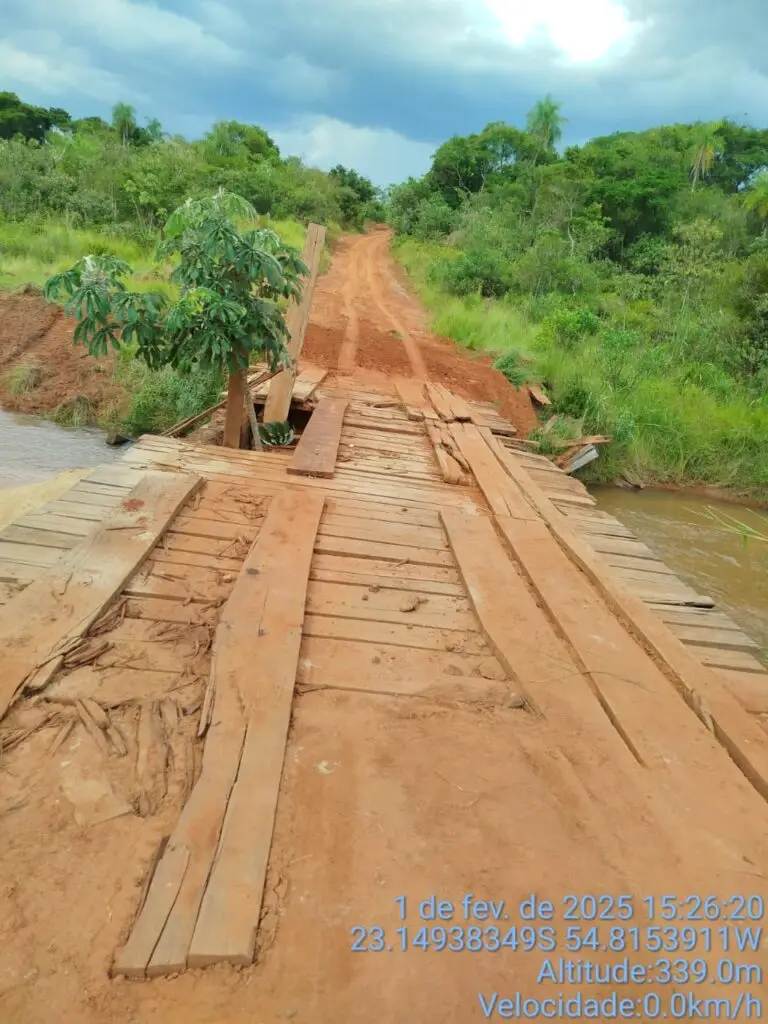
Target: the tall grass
pixel 672 418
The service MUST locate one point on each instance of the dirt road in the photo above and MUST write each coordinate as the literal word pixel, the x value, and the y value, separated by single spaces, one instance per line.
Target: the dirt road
pixel 398 811
pixel 365 317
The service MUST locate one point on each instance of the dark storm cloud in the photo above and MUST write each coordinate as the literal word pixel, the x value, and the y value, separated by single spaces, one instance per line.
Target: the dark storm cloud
pixel 386 70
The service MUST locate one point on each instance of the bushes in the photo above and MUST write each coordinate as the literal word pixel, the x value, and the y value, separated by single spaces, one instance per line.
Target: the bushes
pixel 159 398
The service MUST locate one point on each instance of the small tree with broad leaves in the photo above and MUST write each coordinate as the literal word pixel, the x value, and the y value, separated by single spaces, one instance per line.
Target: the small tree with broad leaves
pixel 230 283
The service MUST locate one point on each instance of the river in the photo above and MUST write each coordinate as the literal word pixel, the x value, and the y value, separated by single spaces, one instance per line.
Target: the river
pixel 39 461
pixel 701 552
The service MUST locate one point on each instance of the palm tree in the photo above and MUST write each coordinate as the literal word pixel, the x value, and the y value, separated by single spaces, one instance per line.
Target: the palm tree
pixel 545 124
pixel 756 198
pixel 124 121
pixel 705 151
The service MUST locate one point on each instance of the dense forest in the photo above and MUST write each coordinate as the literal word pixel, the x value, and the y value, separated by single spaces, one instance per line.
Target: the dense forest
pixel 630 274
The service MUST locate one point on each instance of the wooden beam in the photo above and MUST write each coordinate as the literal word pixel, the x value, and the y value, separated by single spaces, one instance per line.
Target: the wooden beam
pixel 233 424
pixel 229 916
pixel 255 657
pixel 701 687
pixel 318 446
pixel 278 401
pixel 59 607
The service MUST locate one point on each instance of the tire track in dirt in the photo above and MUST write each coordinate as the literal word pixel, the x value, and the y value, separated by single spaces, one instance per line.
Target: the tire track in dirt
pixel 377 248
pixel 348 351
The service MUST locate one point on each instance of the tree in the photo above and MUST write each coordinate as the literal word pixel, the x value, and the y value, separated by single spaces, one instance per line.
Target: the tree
pixel 19 118
pixel 124 122
pixel 704 153
pixel 545 125
pixel 230 282
pixel 756 198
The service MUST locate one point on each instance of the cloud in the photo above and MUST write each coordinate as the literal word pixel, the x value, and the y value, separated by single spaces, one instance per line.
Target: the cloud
pixel 385 81
pixel 381 155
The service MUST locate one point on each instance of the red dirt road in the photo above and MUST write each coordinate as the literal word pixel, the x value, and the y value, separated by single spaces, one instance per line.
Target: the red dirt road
pixel 364 317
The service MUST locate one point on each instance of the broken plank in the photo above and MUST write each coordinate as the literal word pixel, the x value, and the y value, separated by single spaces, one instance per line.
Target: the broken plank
pixel 318 446
pixel 440 402
pixel 265 629
pixel 39 623
pixel 459 407
pixel 538 396
pixel 411 395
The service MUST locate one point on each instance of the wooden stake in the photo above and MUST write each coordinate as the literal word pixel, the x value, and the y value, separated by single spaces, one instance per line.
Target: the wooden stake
pixel 278 401
pixel 235 409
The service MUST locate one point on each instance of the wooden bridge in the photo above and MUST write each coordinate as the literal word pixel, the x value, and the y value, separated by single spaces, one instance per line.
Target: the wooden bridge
pixel 185 597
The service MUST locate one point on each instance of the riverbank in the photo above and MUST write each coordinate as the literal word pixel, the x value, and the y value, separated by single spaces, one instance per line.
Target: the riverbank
pixel 674 423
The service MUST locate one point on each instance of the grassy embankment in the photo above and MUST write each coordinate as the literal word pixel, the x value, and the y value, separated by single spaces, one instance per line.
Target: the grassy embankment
pixel 141 400
pixel 674 419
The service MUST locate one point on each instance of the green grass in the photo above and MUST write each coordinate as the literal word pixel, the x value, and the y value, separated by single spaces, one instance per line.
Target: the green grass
pixel 672 420
pixel 22 379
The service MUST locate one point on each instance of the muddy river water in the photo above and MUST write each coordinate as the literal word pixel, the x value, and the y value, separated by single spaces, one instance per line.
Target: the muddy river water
pixel 702 552
pixel 40 461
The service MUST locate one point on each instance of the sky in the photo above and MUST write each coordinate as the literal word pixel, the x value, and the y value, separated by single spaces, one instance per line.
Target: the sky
pixel 378 84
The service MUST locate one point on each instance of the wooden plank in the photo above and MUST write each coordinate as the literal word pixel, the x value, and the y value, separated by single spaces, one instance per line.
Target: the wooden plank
pixel 411 395
pixel 387 573
pixel 161 936
pixel 38 538
pixel 738 661
pixel 384 667
pixel 328 544
pixel 39 623
pixel 18 572
pixel 29 554
pixel 423 637
pixel 749 688
pixel 452 472
pixel 441 404
pixel 278 401
pixel 344 600
pixel 701 687
pixel 318 446
pixel 459 407
pixel 500 492
pixel 390 532
pixel 374 510
pixel 265 630
pixel 538 396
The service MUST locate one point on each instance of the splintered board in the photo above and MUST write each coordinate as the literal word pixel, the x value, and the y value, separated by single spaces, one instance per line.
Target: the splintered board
pixel 58 607
pixel 204 900
pixel 318 447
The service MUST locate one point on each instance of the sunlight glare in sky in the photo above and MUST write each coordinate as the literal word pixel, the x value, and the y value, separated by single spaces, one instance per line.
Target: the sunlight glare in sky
pixel 583 30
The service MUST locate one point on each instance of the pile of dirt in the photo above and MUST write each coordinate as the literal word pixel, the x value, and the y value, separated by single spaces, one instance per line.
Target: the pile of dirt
pixel 37 334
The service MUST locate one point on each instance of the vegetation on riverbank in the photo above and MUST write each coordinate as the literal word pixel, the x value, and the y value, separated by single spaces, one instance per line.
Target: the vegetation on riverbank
pixel 69 188
pixel 630 275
